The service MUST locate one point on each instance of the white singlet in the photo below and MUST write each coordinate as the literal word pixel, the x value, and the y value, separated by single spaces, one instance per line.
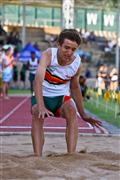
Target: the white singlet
pixel 33 65
pixel 57 77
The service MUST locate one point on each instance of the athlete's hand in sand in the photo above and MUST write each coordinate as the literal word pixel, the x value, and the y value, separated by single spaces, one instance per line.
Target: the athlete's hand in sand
pixel 92 121
pixel 43 112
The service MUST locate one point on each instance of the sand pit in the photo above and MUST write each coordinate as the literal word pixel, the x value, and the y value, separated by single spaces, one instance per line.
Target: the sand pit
pixel 97 157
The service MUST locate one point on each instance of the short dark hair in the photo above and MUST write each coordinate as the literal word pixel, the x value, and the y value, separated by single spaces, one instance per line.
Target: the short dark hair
pixel 71 34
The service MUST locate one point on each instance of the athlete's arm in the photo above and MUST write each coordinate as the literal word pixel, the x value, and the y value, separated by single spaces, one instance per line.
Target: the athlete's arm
pixel 77 96
pixel 76 93
pixel 39 77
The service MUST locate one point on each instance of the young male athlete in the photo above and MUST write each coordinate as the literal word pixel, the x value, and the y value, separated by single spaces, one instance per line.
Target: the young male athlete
pixel 56 85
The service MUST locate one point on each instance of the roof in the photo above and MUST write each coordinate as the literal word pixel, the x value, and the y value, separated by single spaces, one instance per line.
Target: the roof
pixel 57 3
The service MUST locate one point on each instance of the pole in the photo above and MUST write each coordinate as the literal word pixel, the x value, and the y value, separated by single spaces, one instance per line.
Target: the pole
pixel 117 44
pixel 23 25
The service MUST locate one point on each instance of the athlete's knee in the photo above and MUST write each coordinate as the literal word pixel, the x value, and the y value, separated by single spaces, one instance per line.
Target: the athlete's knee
pixel 69 111
pixel 34 111
pixel 35 118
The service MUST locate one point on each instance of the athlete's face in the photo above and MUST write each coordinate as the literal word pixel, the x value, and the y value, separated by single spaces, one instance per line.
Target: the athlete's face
pixel 67 49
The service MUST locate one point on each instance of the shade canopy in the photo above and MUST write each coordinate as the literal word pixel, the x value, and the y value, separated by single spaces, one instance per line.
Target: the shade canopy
pixel 25 53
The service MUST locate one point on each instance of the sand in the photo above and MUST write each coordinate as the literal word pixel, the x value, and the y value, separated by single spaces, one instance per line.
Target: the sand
pixel 97 157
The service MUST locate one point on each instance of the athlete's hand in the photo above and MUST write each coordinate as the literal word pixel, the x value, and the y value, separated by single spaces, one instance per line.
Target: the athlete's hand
pixel 43 112
pixel 92 121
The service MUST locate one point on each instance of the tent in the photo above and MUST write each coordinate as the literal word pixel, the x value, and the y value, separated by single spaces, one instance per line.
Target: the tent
pixel 25 53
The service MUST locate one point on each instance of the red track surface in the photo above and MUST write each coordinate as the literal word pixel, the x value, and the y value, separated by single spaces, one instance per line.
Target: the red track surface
pixel 15 116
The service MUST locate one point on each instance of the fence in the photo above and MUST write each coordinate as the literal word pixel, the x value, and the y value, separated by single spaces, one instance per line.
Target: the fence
pixel 109 102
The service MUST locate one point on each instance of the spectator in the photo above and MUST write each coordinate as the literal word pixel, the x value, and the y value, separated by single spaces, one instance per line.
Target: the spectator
pixel 14 38
pixel 3 35
pixel 88 73
pixel 23 74
pixel 53 40
pixel 7 70
pixel 85 36
pixel 109 46
pixel 102 79
pixel 15 75
pixel 83 86
pixel 113 80
pixel 92 37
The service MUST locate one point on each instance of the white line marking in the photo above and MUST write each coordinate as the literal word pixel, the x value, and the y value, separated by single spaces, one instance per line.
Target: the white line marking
pixel 97 130
pixel 102 129
pixel 90 125
pixel 29 127
pixel 13 110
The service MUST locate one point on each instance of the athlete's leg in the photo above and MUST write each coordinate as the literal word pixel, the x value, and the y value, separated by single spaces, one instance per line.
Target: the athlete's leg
pixel 37 132
pixel 32 86
pixel 5 89
pixel 68 111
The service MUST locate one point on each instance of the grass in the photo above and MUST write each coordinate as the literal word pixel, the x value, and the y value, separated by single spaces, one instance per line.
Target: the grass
pixel 102 112
pixel 19 91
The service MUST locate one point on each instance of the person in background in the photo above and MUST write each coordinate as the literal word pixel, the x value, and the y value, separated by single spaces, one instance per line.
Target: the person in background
pixel 32 67
pixel 7 70
pixel 83 86
pixel 113 79
pixel 102 79
pixel 88 73
pixel 57 91
pixel 3 35
pixel 15 75
pixel 14 38
pixel 23 75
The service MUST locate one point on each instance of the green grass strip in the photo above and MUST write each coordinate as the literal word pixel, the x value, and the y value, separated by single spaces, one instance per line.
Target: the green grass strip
pixel 19 91
pixel 102 112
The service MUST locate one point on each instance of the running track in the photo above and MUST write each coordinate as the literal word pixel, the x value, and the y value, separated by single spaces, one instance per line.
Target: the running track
pixel 15 117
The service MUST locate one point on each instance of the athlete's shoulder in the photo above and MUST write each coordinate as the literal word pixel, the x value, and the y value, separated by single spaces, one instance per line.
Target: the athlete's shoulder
pixel 46 53
pixel 77 60
pixel 77 56
pixel 46 57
